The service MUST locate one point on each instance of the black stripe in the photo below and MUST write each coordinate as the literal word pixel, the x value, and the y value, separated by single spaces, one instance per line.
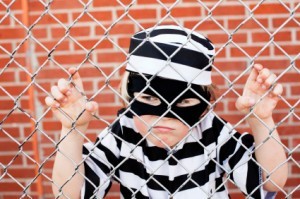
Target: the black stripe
pixel 109 155
pixel 200 178
pixel 127 193
pixel 138 170
pixel 211 135
pixel 184 56
pixel 130 136
pixel 253 179
pixel 205 42
pixel 103 167
pixel 228 148
pixel 93 177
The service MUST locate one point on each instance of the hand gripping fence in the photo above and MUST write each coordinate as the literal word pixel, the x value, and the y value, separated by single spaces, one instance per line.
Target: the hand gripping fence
pixel 40 40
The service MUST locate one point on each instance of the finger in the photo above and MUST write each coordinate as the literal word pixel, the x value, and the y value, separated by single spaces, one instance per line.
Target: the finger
pixel 244 103
pixel 91 107
pixel 263 75
pixel 255 72
pixel 63 86
pixel 58 95
pixel 269 81
pixel 278 89
pixel 51 102
pixel 76 77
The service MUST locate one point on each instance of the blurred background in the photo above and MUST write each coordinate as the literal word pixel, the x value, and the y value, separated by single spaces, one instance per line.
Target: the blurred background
pixel 40 39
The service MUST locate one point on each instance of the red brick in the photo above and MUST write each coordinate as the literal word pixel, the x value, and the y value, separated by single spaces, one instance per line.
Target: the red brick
pixel 10 186
pixel 183 12
pixel 46 73
pixel 69 59
pixel 145 13
pixel 292 49
pixel 249 24
pixel 203 26
pixel 36 6
pixel 271 8
pixel 14 5
pixel 108 110
pixel 295 169
pixel 98 15
pixel 39 32
pixel 111 57
pixel 58 32
pixel 119 29
pixel 12 33
pixel 295 90
pixel 7 76
pixel 251 51
pixel 292 182
pixel 289 77
pixel 51 126
pixel 288 130
pixel 61 4
pixel 80 31
pixel 155 2
pixel 105 98
pixel 89 43
pixel 49 45
pixel 124 42
pixel 6 159
pixel 228 10
pixel 109 3
pixel 5 20
pixel 22 173
pixel 289 23
pixel 47 19
pixel 12 131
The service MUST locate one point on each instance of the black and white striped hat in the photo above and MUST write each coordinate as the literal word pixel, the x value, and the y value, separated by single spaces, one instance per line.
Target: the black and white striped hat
pixel 172 52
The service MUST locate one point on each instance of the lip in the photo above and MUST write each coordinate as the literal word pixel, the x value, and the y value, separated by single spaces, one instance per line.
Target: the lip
pixel 163 128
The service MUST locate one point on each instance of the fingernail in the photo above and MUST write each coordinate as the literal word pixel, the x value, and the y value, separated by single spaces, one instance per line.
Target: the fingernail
pixel 251 101
pixel 68 93
pixel 259 80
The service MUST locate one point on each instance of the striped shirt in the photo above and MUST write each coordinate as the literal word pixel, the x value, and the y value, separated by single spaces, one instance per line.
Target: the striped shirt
pixel 195 168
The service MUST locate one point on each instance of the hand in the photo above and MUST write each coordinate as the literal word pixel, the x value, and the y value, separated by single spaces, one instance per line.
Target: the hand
pixel 258 83
pixel 71 102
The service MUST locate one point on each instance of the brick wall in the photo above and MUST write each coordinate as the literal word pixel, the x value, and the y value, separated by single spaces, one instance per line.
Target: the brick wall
pixel 63 35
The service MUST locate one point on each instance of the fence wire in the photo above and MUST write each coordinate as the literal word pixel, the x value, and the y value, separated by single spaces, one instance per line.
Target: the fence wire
pixel 35 88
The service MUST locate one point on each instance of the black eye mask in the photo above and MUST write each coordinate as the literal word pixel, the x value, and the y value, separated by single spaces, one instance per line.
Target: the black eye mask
pixel 166 91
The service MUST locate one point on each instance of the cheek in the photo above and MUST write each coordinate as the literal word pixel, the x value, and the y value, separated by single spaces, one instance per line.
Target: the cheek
pixel 141 124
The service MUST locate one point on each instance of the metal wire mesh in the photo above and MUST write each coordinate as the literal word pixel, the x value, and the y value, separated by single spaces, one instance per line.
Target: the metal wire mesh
pixel 39 61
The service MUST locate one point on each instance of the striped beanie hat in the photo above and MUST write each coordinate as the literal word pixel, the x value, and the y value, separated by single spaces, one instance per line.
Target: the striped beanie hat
pixel 172 52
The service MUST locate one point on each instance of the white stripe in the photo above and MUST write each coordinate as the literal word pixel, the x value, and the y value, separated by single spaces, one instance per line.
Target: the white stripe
pixel 109 141
pixel 131 180
pixel 97 154
pixel 170 39
pixel 153 66
pixel 240 173
pixel 104 180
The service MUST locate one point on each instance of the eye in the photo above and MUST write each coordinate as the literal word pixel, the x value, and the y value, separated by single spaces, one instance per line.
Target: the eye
pixel 188 102
pixel 147 99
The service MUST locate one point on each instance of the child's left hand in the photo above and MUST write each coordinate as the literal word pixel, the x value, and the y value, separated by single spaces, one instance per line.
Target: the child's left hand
pixel 258 83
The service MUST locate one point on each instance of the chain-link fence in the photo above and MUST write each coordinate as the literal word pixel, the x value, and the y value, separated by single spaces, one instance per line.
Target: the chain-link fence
pixel 40 40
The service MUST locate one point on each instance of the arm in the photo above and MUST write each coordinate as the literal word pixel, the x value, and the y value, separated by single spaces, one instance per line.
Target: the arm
pixel 270 154
pixel 69 153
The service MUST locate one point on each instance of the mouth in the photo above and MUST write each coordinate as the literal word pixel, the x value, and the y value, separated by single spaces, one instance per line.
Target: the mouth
pixel 163 128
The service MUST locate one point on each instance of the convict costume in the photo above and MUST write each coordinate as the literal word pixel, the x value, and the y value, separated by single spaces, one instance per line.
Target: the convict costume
pixel 171 63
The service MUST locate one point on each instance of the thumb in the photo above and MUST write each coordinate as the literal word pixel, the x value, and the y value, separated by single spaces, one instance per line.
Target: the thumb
pixel 243 103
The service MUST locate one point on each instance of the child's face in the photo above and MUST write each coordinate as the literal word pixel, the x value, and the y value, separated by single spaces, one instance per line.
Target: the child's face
pixel 169 130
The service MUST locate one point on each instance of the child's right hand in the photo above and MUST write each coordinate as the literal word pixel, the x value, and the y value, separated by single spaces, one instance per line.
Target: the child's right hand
pixel 71 102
